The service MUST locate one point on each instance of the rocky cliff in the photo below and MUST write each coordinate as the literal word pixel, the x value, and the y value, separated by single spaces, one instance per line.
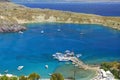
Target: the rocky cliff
pixel 4 1
pixel 16 14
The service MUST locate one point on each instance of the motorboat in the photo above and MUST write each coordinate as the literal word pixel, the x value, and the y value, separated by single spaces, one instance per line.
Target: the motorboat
pixel 46 66
pixel 20 68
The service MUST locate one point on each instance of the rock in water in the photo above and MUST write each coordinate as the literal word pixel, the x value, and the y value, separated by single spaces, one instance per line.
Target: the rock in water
pixel 12 28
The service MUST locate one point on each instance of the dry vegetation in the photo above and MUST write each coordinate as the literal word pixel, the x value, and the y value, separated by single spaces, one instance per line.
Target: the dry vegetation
pixel 13 13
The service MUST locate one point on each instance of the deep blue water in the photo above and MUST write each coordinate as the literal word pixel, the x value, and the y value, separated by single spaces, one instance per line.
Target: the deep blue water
pixel 34 50
pixel 105 9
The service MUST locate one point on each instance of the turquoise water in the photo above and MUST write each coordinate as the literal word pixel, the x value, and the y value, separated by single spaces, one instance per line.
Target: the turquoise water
pixel 34 50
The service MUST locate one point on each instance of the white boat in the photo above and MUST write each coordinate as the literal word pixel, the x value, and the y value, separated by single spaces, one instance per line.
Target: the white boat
pixel 63 59
pixel 49 74
pixel 46 66
pixel 58 30
pixel 42 32
pixel 78 55
pixel 6 71
pixel 60 57
pixel 67 51
pixel 81 33
pixel 20 32
pixel 54 55
pixel 20 68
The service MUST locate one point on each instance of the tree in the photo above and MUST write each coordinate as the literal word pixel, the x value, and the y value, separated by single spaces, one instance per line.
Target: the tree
pixel 115 73
pixel 33 76
pixel 119 70
pixel 4 78
pixel 22 78
pixel 57 76
pixel 13 78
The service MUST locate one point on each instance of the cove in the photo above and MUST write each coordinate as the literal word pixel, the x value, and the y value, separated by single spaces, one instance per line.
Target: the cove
pixel 34 49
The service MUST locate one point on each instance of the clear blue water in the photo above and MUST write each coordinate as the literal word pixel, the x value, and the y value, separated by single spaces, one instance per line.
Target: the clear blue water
pixel 34 50
pixel 105 9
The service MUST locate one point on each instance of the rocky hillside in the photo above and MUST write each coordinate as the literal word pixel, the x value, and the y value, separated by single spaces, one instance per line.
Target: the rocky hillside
pixel 4 1
pixel 16 14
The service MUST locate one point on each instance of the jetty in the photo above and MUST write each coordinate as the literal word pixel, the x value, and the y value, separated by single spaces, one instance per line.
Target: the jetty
pixel 70 56
pixel 82 65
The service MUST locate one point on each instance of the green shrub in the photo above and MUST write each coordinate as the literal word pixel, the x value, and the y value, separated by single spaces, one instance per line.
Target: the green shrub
pixel 4 78
pixel 57 76
pixel 13 78
pixel 22 78
pixel 33 76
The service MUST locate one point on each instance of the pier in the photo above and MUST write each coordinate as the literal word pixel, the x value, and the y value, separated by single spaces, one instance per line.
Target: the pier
pixel 69 56
pixel 82 65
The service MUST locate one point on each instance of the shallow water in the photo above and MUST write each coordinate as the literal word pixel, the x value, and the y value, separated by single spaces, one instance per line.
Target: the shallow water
pixel 34 50
pixel 70 71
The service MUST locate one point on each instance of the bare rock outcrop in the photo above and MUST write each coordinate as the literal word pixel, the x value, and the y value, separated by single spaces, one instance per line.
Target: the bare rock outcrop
pixel 4 0
pixel 12 28
pixel 11 13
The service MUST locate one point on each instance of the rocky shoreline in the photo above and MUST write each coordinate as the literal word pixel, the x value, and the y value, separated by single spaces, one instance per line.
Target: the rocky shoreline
pixel 19 15
pixel 12 28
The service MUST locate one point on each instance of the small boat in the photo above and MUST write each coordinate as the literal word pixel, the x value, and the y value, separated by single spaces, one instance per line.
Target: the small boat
pixel 42 32
pixel 78 55
pixel 49 74
pixel 81 33
pixel 46 66
pixel 54 55
pixel 67 51
pixel 20 32
pixel 6 71
pixel 20 68
pixel 58 30
pixel 67 63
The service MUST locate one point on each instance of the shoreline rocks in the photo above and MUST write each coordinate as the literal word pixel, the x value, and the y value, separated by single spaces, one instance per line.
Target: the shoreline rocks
pixel 18 14
pixel 12 28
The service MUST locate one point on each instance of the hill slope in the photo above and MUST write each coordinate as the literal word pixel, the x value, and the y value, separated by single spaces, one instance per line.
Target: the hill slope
pixel 17 14
pixel 4 1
